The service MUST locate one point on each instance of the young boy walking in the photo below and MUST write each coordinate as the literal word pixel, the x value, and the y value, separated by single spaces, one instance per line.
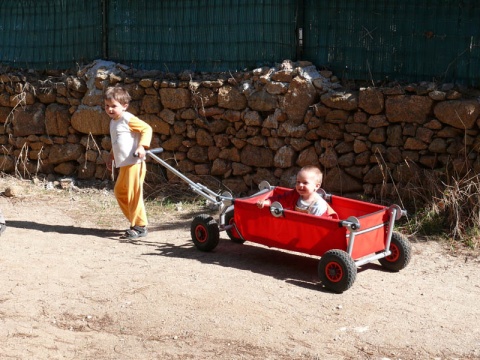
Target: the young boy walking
pixel 130 137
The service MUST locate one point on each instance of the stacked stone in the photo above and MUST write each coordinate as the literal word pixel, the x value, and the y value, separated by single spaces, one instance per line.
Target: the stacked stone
pixel 242 127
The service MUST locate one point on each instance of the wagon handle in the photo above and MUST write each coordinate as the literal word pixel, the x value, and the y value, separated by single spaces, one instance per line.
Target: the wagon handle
pixel 153 151
pixel 219 200
pixel 156 150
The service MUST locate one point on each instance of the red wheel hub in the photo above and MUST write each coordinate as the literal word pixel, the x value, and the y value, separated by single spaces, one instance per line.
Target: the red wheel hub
pixel 334 271
pixel 201 234
pixel 395 253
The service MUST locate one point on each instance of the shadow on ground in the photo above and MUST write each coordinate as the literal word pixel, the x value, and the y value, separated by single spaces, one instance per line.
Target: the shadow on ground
pixel 294 268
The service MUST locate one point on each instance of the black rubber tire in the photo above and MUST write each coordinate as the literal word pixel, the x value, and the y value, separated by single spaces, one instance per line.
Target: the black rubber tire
pixel 337 270
pixel 205 233
pixel 401 253
pixel 230 233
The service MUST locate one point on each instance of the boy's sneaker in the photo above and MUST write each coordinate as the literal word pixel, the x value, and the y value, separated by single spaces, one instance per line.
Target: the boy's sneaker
pixel 141 230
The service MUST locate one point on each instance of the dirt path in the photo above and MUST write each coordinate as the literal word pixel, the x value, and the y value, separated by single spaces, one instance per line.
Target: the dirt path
pixel 71 289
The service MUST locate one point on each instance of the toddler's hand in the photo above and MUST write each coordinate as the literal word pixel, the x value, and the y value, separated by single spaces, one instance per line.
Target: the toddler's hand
pixel 260 204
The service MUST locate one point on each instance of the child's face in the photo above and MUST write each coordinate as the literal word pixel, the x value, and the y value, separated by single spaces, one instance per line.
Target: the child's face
pixel 306 184
pixel 114 109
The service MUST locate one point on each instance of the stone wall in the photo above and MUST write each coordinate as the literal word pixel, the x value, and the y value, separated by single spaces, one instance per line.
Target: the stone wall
pixel 242 127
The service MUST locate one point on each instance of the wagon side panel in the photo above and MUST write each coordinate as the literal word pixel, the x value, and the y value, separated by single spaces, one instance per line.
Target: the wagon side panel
pixel 346 207
pixel 374 220
pixel 293 231
pixel 373 236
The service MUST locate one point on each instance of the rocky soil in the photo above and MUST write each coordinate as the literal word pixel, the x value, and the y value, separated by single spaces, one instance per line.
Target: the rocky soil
pixel 71 289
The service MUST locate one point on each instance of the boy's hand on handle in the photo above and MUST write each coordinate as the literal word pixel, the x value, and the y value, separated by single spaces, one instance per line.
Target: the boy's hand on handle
pixel 140 152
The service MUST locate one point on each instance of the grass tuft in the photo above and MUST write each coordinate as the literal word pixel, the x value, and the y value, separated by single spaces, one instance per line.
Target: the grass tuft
pixel 442 206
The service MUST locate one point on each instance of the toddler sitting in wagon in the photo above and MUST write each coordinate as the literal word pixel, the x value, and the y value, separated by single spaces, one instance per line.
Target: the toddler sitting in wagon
pixel 304 198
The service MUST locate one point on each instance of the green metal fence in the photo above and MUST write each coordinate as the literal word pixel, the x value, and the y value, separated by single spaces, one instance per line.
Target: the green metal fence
pixel 407 40
pixel 204 35
pixel 50 34
pixel 369 40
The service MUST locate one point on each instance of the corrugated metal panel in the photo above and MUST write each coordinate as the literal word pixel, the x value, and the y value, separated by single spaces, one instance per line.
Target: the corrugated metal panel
pixel 467 62
pixel 49 33
pixel 205 35
pixel 368 40
pixel 398 40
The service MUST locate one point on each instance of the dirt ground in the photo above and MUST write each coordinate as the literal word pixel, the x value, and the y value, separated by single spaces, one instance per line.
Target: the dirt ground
pixel 71 289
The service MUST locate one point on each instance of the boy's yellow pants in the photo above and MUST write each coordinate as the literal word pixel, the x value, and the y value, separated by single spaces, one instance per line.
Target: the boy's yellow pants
pixel 129 193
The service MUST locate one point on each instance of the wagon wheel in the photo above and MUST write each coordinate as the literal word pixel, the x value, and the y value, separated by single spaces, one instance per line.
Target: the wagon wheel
pixel 205 233
pixel 232 233
pixel 337 270
pixel 401 253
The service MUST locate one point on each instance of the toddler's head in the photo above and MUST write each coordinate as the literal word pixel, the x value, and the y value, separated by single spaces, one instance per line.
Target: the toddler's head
pixel 309 180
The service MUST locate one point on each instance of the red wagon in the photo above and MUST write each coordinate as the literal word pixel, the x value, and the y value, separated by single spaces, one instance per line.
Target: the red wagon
pixel 364 233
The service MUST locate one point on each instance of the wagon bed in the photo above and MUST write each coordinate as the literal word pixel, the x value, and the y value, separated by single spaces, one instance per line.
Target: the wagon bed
pixel 312 234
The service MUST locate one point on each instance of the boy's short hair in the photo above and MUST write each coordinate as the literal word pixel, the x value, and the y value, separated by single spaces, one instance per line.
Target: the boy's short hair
pixel 315 170
pixel 117 93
